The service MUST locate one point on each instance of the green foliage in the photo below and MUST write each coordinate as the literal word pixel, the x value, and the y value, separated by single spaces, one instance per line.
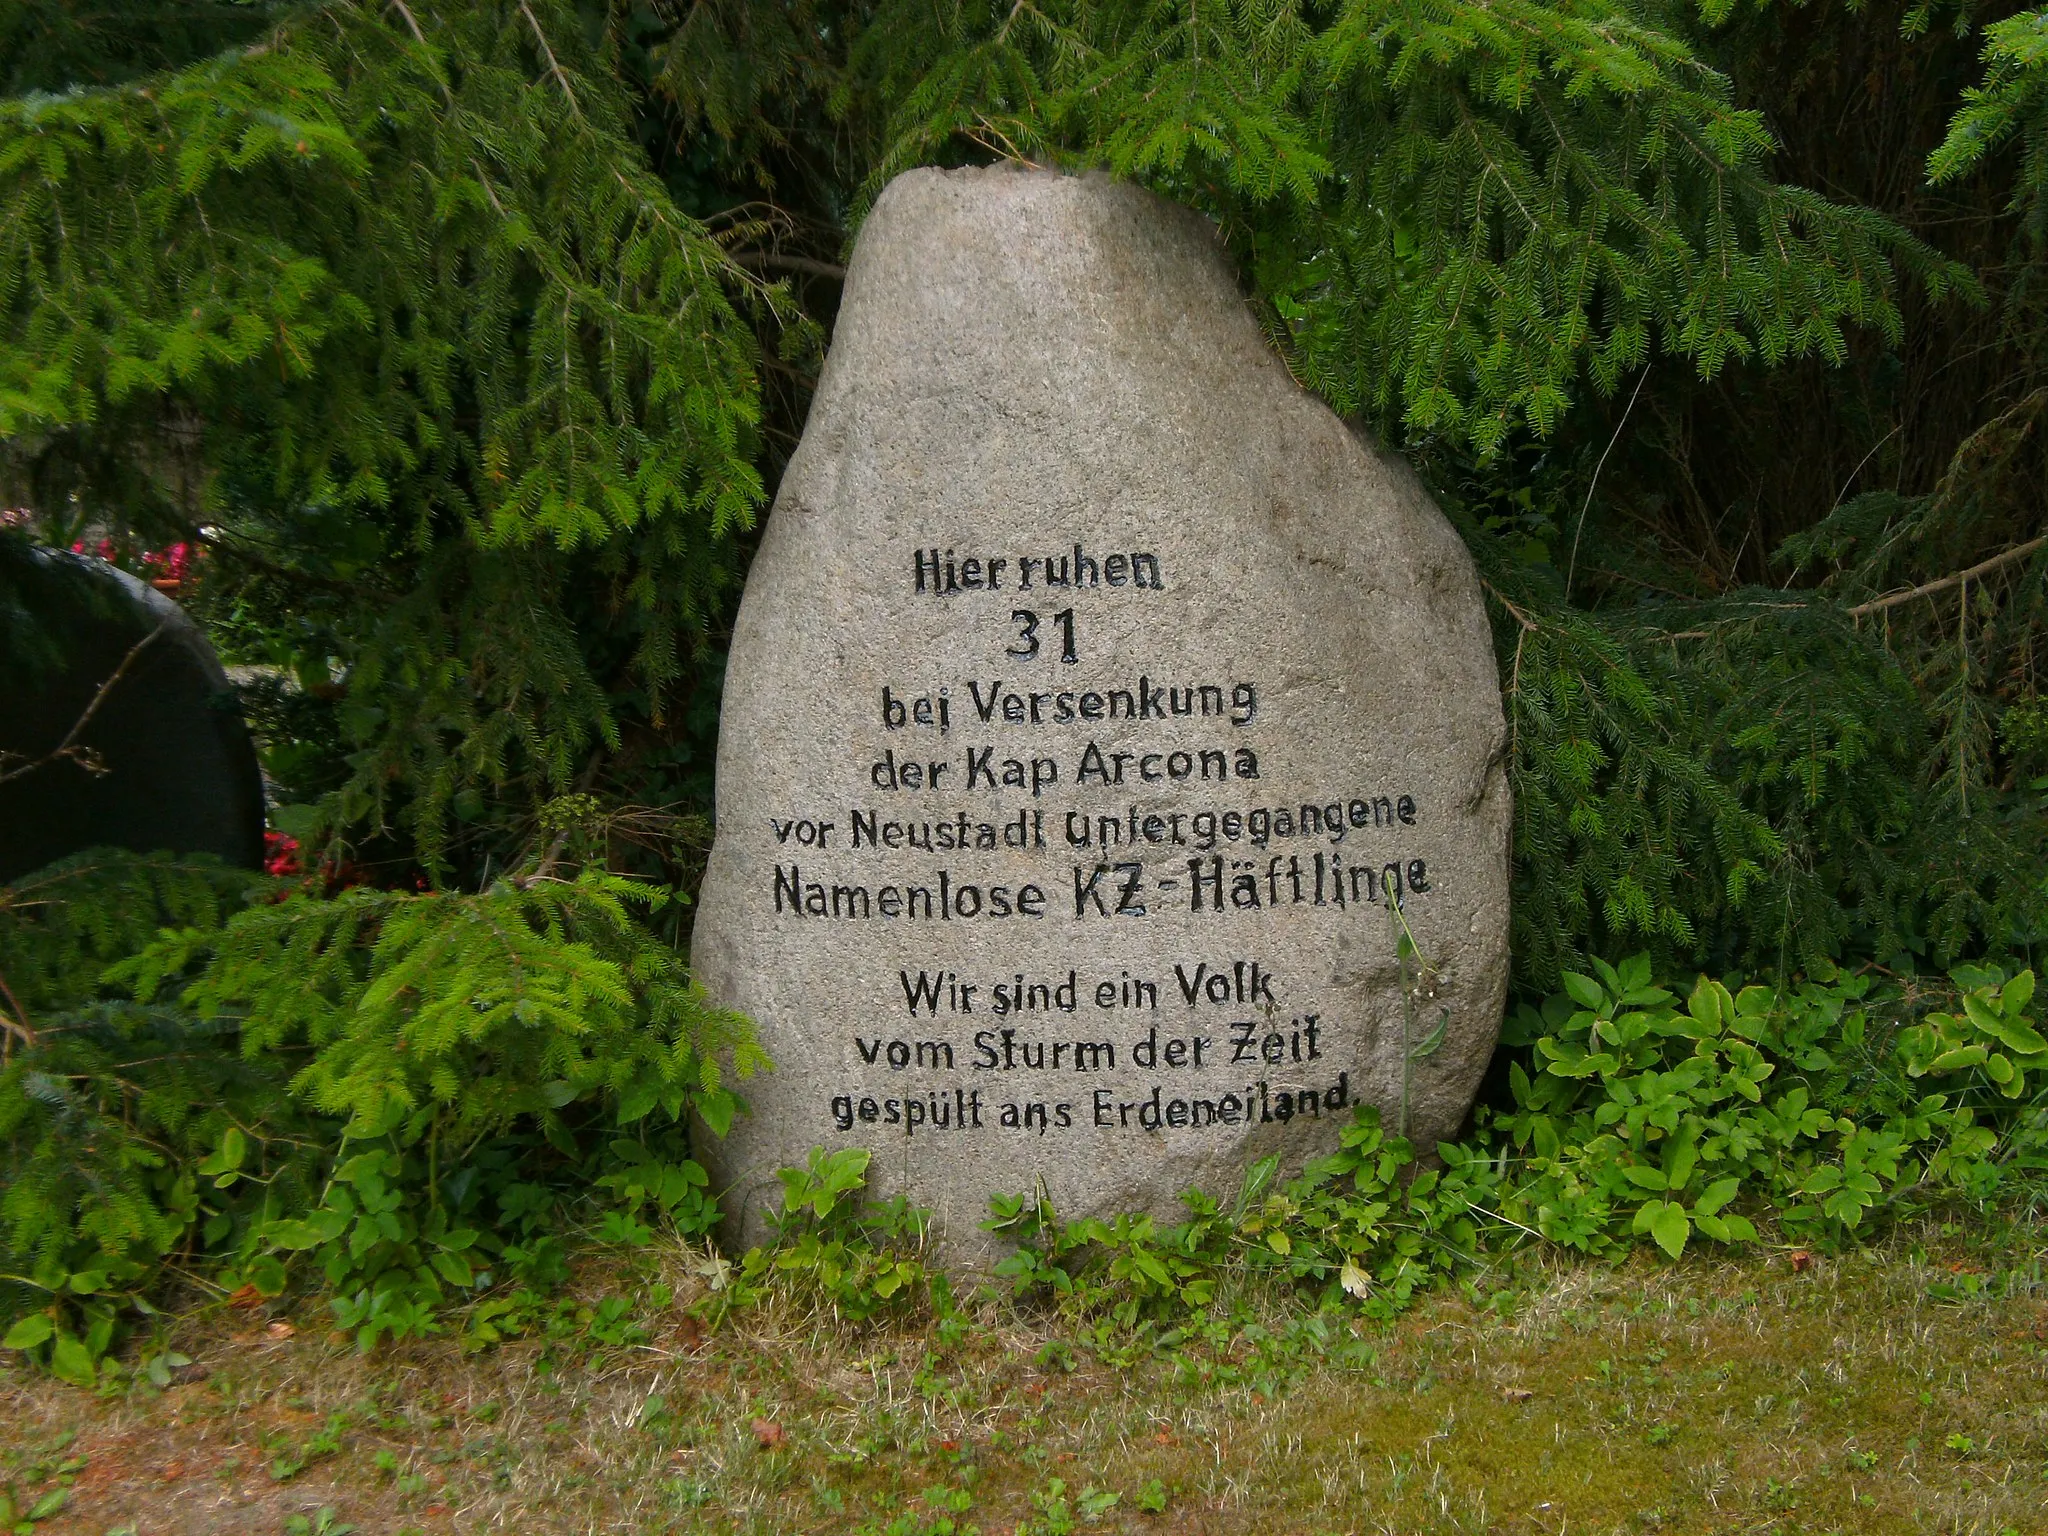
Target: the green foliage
pixel 110 1109
pixel 451 350
pixel 851 1256
pixel 391 1264
pixel 468 1012
pixel 46 45
pixel 61 926
pixel 106 1129
pixel 449 336
pixel 390 1095
pixel 1455 212
pixel 1992 1034
pixel 1456 219
pixel 1633 1121
pixel 1739 782
pixel 2010 104
pixel 1808 1113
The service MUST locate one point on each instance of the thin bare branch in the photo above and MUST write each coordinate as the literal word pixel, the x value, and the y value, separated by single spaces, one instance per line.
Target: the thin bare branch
pixel 775 261
pixel 1893 600
pixel 18 1027
pixel 412 23
pixel 554 65
pixel 67 747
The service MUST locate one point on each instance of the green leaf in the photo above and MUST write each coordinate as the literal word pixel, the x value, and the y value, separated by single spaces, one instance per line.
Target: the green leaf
pixel 1740 1228
pixel 1432 1042
pixel 1667 1223
pixel 2016 994
pixel 295 1236
pixel 453 1267
pixel 717 1108
pixel 1585 991
pixel 1956 1060
pixel 1754 1001
pixel 1681 1152
pixel 1716 1195
pixel 267 1274
pixel 50 1503
pixel 29 1331
pixel 2020 1036
pixel 71 1361
pixel 1983 1014
pixel 636 1101
pixel 1711 1005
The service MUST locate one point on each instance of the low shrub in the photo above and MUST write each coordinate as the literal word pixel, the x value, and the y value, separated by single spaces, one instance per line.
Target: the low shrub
pixel 406 1099
pixel 1811 1112
pixel 417 1106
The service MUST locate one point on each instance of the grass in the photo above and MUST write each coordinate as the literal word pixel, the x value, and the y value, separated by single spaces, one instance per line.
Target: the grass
pixel 1902 1388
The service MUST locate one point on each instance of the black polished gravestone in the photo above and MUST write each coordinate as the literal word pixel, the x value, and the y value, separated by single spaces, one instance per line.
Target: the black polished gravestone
pixel 131 740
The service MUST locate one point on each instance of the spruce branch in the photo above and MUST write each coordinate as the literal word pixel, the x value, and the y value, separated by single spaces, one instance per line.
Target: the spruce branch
pixel 1942 584
pixel 554 64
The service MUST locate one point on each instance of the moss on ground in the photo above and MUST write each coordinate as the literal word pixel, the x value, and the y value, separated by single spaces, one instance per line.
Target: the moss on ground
pixel 1903 1388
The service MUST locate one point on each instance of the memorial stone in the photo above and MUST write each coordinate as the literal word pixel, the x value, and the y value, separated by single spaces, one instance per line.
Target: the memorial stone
pixel 1095 700
pixel 163 761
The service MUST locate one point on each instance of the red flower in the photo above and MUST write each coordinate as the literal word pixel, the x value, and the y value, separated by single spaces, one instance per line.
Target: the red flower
pixel 281 855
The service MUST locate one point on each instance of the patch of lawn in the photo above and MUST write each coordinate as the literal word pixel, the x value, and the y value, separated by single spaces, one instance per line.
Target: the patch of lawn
pixel 1901 1388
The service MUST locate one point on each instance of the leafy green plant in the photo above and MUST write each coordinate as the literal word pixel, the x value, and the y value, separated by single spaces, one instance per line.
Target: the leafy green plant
pixel 851 1255
pixel 463 1013
pixel 389 1092
pixel 1591 191
pixel 1993 1034
pixel 1633 1119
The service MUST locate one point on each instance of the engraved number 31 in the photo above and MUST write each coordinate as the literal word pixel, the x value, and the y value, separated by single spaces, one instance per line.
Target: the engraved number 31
pixel 1026 644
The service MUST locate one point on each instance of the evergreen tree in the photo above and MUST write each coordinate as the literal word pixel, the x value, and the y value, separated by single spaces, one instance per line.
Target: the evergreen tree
pixel 469 342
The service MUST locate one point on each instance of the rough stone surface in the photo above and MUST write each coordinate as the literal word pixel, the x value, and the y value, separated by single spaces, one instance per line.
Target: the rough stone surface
pixel 180 772
pixel 1042 370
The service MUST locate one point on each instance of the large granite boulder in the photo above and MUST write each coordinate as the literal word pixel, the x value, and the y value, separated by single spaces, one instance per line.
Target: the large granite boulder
pixel 163 762
pixel 1094 692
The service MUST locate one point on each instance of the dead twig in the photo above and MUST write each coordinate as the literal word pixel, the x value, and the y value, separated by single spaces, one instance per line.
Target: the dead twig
pixel 1572 568
pixel 18 1027
pixel 1925 589
pixel 775 261
pixel 67 747
pixel 1521 618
